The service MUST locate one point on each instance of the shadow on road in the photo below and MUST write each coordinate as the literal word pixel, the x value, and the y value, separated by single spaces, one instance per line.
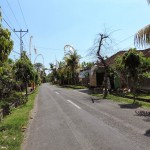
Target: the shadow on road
pixel 87 91
pixel 147 119
pixel 129 106
pixel 142 113
pixel 147 133
pixel 95 100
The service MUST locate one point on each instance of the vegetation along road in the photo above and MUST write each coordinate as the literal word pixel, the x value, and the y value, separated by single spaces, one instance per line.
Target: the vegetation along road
pixel 66 119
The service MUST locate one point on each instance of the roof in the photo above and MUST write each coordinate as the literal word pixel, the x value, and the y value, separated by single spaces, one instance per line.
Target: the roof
pixel 112 58
pixel 145 52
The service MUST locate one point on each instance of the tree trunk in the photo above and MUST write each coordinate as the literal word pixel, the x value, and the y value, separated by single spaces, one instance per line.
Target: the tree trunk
pixel 134 89
pixel 26 89
pixel 105 85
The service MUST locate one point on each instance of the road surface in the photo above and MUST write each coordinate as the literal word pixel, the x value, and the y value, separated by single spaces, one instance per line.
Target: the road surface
pixel 66 119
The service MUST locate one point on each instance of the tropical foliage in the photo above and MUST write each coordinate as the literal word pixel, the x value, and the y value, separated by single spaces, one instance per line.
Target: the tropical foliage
pixel 24 70
pixel 40 71
pixel 133 67
pixel 85 65
pixel 142 37
pixel 72 63
pixel 6 74
pixel 66 71
pixel 6 79
pixel 6 44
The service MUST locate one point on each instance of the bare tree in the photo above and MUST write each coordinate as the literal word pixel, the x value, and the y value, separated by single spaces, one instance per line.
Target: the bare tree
pixel 102 39
pixel 98 48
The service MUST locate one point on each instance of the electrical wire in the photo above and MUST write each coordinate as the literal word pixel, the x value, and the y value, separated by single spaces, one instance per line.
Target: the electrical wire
pixel 10 27
pixel 7 17
pixel 13 13
pixel 15 52
pixel 22 13
pixel 13 32
pixel 24 21
pixel 9 24
pixel 15 19
pixel 124 40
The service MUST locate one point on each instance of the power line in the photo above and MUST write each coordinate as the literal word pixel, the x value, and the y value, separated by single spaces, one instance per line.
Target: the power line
pixel 7 24
pixel 10 27
pixel 22 13
pixel 24 22
pixel 124 40
pixel 15 52
pixel 16 18
pixel 13 13
pixel 13 32
pixel 7 17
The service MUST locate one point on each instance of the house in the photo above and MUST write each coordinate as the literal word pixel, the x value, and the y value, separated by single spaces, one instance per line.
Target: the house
pixel 84 76
pixel 96 76
pixel 96 73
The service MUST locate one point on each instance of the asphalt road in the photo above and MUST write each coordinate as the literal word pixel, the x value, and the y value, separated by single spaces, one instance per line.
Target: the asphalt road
pixel 66 119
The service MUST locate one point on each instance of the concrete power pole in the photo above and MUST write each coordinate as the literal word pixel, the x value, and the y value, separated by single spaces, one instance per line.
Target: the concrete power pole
pixel 21 36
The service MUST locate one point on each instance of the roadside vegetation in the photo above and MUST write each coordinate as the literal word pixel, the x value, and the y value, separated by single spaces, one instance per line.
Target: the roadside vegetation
pixel 124 100
pixel 18 79
pixel 16 76
pixel 13 126
pixel 130 69
pixel 75 86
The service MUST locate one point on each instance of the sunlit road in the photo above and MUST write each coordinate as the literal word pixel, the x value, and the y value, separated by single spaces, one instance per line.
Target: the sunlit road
pixel 66 119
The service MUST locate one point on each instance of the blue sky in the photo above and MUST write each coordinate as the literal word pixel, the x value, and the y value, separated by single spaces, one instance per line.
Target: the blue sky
pixel 55 23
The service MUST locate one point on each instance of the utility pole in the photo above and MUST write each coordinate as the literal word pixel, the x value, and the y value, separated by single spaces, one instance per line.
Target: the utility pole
pixel 21 36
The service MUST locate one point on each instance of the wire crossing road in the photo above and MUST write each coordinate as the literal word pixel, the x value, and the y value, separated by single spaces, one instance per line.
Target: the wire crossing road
pixel 66 119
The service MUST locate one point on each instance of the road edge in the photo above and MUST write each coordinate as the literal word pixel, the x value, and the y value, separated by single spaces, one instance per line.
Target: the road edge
pixel 30 120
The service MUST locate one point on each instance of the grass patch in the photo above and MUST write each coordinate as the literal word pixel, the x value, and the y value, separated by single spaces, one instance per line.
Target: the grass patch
pixel 145 96
pixel 74 86
pixel 77 86
pixel 70 86
pixel 123 100
pixel 11 135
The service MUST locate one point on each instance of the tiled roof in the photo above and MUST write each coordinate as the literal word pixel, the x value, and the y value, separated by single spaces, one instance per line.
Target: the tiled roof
pixel 146 52
pixel 112 58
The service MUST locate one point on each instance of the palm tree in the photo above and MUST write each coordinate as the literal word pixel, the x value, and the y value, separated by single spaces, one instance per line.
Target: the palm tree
pixel 39 66
pixel 72 61
pixel 142 37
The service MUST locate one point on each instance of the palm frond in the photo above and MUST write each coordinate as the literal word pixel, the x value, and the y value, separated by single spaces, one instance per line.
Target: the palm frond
pixel 148 1
pixel 142 37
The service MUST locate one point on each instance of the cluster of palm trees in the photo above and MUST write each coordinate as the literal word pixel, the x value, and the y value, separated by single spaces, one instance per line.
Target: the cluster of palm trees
pixel 66 71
